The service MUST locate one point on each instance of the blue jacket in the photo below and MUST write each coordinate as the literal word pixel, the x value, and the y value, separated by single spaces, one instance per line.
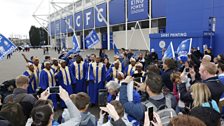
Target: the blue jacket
pixel 135 110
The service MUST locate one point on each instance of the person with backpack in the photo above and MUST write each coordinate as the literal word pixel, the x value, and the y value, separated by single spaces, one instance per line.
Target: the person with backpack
pixel 20 92
pixel 204 108
pixel 157 100
pixel 21 96
pixel 208 76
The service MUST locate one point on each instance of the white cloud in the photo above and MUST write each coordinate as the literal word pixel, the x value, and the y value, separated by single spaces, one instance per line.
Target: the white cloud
pixel 16 15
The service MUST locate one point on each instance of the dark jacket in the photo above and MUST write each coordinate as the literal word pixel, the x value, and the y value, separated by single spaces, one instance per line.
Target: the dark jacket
pixel 26 98
pixel 207 115
pixel 166 79
pixel 4 122
pixel 216 87
pixel 213 83
pixel 119 122
pixel 20 96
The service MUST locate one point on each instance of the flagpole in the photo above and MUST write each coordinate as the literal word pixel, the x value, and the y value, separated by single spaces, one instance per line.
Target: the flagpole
pixel 172 50
pixel 126 23
pixel 83 24
pixel 150 21
pixel 73 16
pixel 108 26
pixel 94 20
pixel 49 33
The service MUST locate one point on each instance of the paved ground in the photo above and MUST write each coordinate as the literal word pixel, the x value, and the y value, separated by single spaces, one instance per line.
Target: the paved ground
pixel 10 68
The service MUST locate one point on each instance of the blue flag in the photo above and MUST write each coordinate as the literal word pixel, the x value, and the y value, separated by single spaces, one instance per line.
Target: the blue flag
pixel 76 47
pixel 91 39
pixel 169 53
pixel 184 48
pixel 116 51
pixel 6 46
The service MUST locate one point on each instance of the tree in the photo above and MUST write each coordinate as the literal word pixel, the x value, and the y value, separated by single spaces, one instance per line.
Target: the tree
pixel 38 36
pixel 34 36
pixel 43 36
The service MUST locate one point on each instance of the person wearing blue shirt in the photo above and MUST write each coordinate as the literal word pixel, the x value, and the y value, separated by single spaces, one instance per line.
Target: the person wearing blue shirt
pixel 129 70
pixel 64 77
pixel 47 79
pixel 78 69
pixel 113 70
pixel 32 78
pixel 97 75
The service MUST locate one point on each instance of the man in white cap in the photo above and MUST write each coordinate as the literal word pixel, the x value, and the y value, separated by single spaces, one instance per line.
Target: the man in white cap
pixel 36 64
pixel 55 66
pixel 32 78
pixel 113 70
pixel 47 76
pixel 47 79
pixel 139 73
pixel 129 70
pixel 116 59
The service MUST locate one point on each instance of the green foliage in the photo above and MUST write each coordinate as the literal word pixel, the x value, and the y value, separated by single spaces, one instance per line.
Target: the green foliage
pixel 38 36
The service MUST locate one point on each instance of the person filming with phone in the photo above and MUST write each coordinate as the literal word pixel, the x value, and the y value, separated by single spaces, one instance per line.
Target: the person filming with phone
pixel 43 115
pixel 153 87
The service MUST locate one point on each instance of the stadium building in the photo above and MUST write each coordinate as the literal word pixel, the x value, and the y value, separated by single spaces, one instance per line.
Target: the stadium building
pixel 141 24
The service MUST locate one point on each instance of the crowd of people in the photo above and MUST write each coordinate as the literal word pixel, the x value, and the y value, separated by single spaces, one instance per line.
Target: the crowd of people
pixel 141 90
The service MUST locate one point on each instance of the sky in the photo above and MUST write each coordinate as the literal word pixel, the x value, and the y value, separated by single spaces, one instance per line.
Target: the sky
pixel 16 16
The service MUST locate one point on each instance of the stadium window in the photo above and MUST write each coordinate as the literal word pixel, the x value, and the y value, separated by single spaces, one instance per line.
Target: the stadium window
pixel 145 24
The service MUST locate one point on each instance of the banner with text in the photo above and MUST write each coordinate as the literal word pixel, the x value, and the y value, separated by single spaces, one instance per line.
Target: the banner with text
pixel 6 46
pixel 138 10
pixel 91 39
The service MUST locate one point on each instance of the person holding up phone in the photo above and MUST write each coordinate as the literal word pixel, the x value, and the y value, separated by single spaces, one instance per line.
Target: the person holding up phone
pixel 152 119
pixel 153 87
pixel 116 112
pixel 46 111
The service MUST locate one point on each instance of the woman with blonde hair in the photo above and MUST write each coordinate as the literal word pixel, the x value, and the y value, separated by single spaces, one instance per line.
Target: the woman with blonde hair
pixel 204 108
pixel 202 96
